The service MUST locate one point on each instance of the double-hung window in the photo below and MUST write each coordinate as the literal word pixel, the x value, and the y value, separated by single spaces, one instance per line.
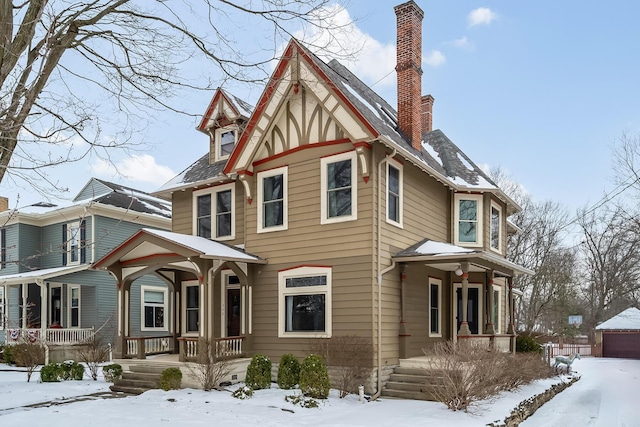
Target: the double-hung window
pixel 74 243
pixel 496 229
pixel 272 200
pixel 394 194
pixel 496 310
pixel 304 302
pixel 2 309
pixel 154 308
pixel 339 189
pixel 191 320
pixel 74 306
pixel 3 249
pixel 435 304
pixel 225 141
pixel 213 212
pixel 468 219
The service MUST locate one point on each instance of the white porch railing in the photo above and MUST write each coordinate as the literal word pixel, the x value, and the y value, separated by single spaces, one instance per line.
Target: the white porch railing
pixel 141 347
pixel 52 336
pixel 228 348
pixel 501 343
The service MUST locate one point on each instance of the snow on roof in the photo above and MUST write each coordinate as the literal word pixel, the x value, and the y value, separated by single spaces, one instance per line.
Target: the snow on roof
pixel 628 319
pixel 432 247
pixel 45 273
pixel 208 248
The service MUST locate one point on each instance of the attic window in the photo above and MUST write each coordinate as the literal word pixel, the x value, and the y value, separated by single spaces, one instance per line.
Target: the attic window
pixel 225 141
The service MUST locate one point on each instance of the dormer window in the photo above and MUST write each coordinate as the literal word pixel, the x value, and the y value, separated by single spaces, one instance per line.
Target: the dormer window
pixel 225 141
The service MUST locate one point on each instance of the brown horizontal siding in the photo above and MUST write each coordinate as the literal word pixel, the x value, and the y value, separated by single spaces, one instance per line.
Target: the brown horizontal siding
pixel 182 212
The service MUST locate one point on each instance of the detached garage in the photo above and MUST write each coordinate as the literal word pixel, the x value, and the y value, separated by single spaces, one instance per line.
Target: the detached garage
pixel 620 335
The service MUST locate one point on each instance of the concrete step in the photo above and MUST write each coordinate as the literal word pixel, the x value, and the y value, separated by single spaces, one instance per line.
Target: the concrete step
pixel 127 389
pixel 403 394
pixel 124 382
pixel 142 376
pixel 149 369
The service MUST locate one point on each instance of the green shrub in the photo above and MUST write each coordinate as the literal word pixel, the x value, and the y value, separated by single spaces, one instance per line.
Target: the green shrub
pixel 526 344
pixel 288 371
pixel 112 372
pixel 259 372
pixel 244 392
pixel 314 378
pixel 51 373
pixel 8 356
pixel 304 402
pixel 71 370
pixel 171 379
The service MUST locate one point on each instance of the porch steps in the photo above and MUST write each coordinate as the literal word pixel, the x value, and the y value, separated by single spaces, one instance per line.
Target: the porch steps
pixel 412 383
pixel 138 379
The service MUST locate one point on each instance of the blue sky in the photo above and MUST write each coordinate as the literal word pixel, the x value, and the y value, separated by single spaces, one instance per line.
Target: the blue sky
pixel 542 89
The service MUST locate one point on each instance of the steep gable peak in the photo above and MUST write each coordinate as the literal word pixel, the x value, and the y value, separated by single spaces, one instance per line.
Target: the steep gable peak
pixel 224 108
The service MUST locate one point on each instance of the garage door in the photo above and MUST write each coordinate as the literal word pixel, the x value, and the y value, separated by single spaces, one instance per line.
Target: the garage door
pixel 621 344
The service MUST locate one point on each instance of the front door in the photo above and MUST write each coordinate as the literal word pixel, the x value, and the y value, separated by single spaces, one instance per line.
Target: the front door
pixel 474 305
pixel 55 308
pixel 233 312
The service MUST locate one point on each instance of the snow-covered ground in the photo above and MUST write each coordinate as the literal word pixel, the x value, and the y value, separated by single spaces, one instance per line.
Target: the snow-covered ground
pixel 605 392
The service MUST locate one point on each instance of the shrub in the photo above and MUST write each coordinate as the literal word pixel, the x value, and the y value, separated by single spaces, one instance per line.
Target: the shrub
pixel 50 373
pixel 171 379
pixel 526 344
pixel 244 392
pixel 92 353
pixel 7 355
pixel 314 378
pixel 304 402
pixel 71 370
pixel 258 375
pixel 112 372
pixel 210 370
pixel 288 371
pixel 29 355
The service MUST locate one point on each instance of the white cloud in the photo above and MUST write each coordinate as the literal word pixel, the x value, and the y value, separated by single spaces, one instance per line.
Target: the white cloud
pixel 135 168
pixel 366 57
pixel 435 58
pixel 481 16
pixel 463 43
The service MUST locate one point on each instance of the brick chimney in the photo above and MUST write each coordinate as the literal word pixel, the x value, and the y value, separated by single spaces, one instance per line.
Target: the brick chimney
pixel 409 70
pixel 4 204
pixel 427 113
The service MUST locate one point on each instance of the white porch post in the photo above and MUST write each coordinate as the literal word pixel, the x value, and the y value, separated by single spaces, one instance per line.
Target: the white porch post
pixel 490 327
pixel 464 325
pixel 44 314
pixel 25 293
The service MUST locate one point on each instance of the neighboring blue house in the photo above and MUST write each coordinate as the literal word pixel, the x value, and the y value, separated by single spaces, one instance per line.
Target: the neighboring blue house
pixel 47 291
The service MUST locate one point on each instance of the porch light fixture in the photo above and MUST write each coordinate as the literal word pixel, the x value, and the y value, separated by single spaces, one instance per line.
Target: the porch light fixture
pixel 459 271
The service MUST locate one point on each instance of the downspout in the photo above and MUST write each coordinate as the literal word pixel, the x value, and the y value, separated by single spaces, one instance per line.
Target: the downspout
pixel 385 160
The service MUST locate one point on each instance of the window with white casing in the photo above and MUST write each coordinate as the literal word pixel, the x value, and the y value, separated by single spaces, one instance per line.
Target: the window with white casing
pixel 154 308
pixel 74 306
pixel 73 243
pixel 3 248
pixel 497 307
pixel 496 227
pixel 225 142
pixel 339 189
pixel 435 304
pixel 272 200
pixel 191 307
pixel 468 219
pixel 2 308
pixel 304 302
pixel 213 212
pixel 394 193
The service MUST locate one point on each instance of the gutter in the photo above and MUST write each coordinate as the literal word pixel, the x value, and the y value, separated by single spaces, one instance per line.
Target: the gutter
pixel 385 160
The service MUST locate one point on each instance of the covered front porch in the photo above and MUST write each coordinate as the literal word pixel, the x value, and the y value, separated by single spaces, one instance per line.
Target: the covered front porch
pixel 206 299
pixel 468 296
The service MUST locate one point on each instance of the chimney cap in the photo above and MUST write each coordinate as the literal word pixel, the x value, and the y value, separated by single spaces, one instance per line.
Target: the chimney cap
pixel 410 4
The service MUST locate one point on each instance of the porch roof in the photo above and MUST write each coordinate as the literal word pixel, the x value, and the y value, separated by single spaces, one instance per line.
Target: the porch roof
pixel 43 274
pixel 149 243
pixel 446 256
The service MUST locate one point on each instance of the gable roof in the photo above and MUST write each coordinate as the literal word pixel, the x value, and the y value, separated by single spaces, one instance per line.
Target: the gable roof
pixel 224 104
pixel 629 319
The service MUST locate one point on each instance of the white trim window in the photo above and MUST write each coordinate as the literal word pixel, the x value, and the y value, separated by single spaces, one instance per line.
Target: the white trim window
pixel 232 302
pixel 153 308
pixel 2 308
pixel 225 142
pixel 394 193
pixel 74 306
pixel 496 312
pixel 339 188
pixel 468 219
pixel 213 212
pixel 435 307
pixel 3 249
pixel 273 200
pixel 191 307
pixel 495 222
pixel 304 308
pixel 73 243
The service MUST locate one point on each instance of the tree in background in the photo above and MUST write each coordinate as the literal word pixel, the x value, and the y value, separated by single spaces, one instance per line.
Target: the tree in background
pixel 68 70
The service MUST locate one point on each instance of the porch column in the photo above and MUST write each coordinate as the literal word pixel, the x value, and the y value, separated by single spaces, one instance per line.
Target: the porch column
pixel 404 332
pixel 464 325
pixel 25 293
pixel 511 327
pixel 489 327
pixel 44 315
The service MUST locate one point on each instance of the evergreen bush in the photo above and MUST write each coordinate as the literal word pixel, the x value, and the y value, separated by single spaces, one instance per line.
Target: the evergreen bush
pixel 314 378
pixel 71 370
pixel 258 375
pixel 171 379
pixel 288 371
pixel 50 373
pixel 112 372
pixel 526 344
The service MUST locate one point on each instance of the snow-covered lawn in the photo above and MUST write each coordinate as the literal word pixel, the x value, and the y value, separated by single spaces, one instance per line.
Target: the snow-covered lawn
pixel 268 407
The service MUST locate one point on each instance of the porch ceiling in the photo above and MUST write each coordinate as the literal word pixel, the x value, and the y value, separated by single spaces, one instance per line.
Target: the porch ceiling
pixel 149 246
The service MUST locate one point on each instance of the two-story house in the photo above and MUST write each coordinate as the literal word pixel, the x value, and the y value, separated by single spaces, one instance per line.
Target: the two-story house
pixel 323 212
pixel 48 292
